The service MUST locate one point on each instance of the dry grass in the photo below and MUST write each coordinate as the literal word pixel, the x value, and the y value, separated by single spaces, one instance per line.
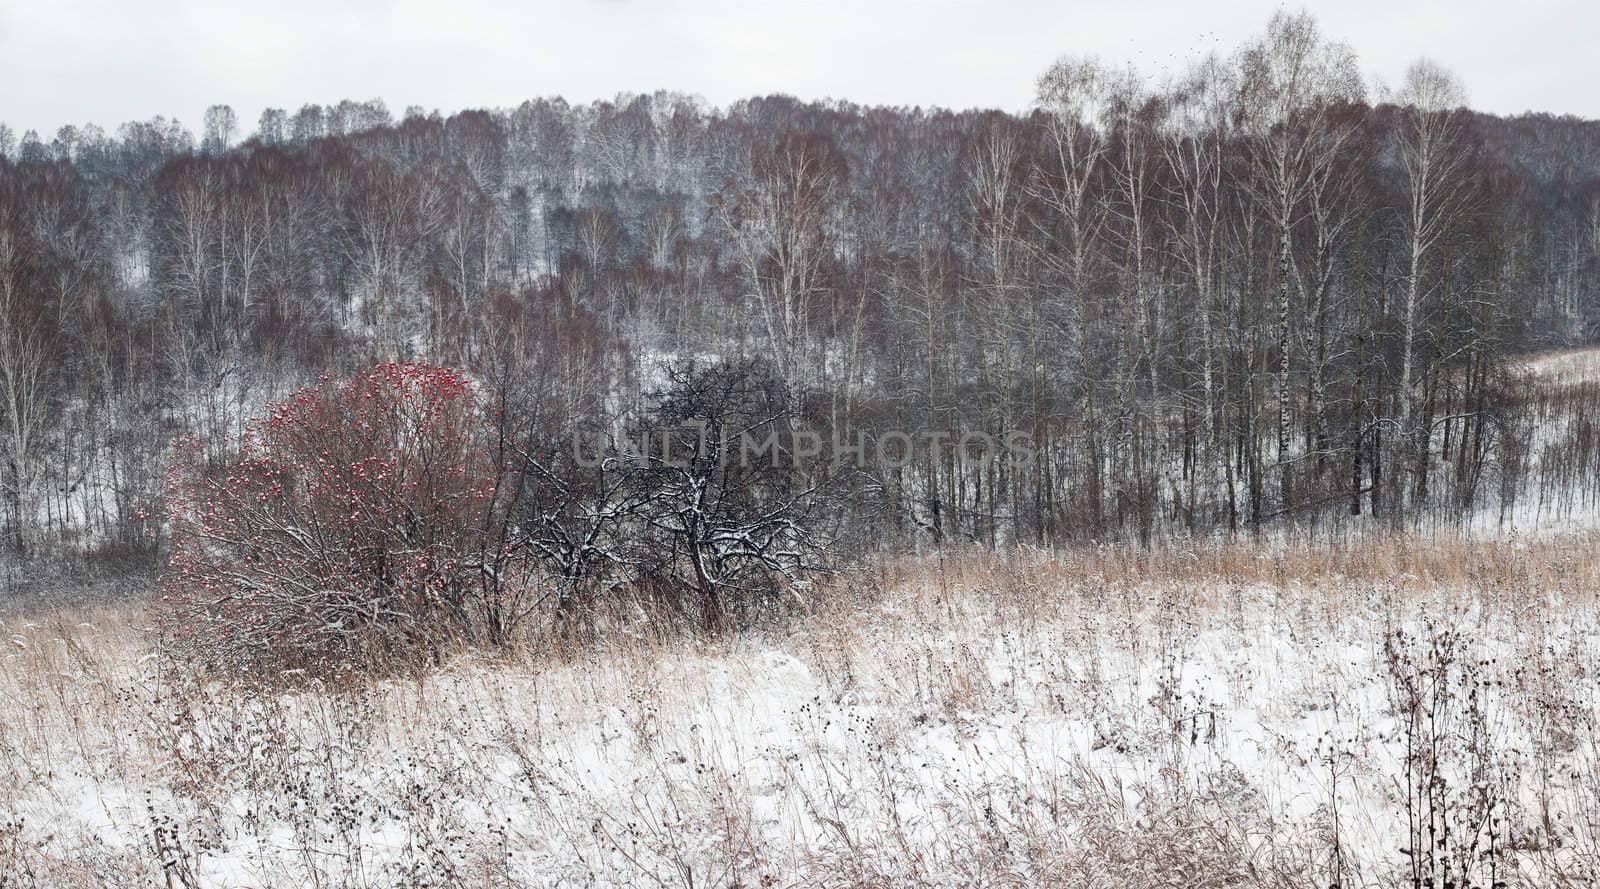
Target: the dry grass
pixel 1206 570
pixel 1208 716
pixel 1562 365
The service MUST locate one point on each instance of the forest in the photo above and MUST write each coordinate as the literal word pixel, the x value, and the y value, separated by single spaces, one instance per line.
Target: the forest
pixel 1255 295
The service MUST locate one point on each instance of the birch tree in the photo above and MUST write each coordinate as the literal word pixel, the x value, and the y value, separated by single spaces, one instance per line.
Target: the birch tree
pixel 1071 93
pixel 1293 82
pixel 1432 154
pixel 778 225
pixel 25 352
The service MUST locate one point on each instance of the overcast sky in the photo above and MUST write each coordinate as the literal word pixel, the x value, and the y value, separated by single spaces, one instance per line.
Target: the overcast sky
pixel 108 61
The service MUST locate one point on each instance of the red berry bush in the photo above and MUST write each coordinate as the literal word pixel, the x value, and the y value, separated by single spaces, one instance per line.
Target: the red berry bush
pixel 357 518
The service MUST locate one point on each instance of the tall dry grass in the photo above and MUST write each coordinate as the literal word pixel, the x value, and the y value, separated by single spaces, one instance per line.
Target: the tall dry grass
pixel 1196 715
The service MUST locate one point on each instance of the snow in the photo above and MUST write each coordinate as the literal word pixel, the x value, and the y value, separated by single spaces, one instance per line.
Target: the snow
pixel 940 724
pixel 1570 366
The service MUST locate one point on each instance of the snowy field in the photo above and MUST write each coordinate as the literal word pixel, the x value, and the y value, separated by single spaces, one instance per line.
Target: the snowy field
pixel 1392 714
pixel 1563 366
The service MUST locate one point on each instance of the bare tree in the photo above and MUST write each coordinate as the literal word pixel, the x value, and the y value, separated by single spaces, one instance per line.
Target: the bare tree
pixel 1073 94
pixel 1294 82
pixel 1433 155
pixel 778 224
pixel 719 519
pixel 272 127
pixel 25 351
pixel 1197 148
pixel 220 125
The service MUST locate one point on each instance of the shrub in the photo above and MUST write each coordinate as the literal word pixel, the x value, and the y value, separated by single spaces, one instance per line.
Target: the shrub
pixel 729 528
pixel 356 516
pixel 678 508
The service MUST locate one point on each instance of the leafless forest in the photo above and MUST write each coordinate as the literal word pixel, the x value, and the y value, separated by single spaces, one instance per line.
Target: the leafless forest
pixel 1251 296
pixel 1195 475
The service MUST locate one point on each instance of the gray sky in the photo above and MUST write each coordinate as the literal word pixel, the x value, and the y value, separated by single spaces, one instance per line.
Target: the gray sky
pixel 107 61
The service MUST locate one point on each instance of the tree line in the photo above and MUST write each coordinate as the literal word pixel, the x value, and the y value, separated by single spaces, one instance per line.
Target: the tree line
pixel 1252 294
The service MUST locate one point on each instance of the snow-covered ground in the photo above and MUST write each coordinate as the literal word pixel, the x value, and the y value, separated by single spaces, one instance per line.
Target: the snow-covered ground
pixel 1563 366
pixel 1219 718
